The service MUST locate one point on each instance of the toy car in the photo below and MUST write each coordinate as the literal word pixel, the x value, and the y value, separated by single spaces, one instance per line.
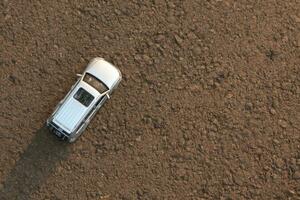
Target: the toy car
pixel 87 95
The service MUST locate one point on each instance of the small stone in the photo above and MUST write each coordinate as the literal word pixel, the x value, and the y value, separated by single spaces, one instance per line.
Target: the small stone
pixel 118 12
pixel 137 57
pixel 272 111
pixel 131 104
pixel 298 40
pixel 192 36
pixel 276 141
pixel 293 162
pixel 59 169
pixel 178 40
pixel 139 138
pixel 6 17
pixel 197 50
pixel 296 18
pixel 291 192
pixel 279 162
pixel 285 38
pixel 202 67
pixel 105 197
pixel 248 106
pixel 210 82
pixel 238 180
pixel 296 175
pixel 229 95
pixel 195 87
pixel 147 59
pixel 172 19
pixel 160 38
pixel 282 123
pixel 104 128
pixel 111 35
pixel 93 194
pixel 68 167
pixel 12 78
pixel 157 123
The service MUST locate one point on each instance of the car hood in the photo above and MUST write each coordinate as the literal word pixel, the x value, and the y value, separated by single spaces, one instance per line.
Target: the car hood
pixel 104 71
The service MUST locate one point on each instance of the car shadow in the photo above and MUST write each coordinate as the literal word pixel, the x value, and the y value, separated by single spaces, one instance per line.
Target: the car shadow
pixel 34 165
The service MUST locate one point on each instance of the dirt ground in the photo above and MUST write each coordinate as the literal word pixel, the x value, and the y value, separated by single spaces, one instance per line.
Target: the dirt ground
pixel 208 108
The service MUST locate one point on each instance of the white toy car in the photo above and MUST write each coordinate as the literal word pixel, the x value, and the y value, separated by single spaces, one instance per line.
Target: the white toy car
pixel 87 95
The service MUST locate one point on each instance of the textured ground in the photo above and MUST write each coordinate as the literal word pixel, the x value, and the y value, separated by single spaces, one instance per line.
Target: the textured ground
pixel 209 106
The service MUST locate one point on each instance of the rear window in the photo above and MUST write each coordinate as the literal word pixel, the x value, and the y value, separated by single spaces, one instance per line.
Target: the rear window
pixel 95 83
pixel 83 97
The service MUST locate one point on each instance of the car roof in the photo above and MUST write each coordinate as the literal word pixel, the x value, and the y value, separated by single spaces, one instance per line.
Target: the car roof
pixel 72 112
pixel 104 71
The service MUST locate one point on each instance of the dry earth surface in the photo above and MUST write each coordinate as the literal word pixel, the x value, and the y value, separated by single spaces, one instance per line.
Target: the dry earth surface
pixel 209 105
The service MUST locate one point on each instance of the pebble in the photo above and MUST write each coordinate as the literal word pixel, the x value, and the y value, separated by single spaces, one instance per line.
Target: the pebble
pixel 139 138
pixel 160 38
pixel 147 59
pixel 276 141
pixel 137 57
pixel 118 12
pixel 195 87
pixel 282 123
pixel 197 50
pixel 248 106
pixel 229 95
pixel 296 18
pixel 158 123
pixel 296 175
pixel 272 111
pixel 298 40
pixel 292 192
pixel 279 162
pixel 192 36
pixel 178 40
pixel 59 169
pixel 12 78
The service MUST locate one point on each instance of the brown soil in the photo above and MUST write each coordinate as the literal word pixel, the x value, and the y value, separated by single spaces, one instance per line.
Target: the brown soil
pixel 209 106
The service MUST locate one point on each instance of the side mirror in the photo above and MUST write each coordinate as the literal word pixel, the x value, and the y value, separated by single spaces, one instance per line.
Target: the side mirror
pixel 106 93
pixel 79 75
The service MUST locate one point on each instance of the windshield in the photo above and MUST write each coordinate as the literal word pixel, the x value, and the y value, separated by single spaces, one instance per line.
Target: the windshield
pixel 83 97
pixel 95 83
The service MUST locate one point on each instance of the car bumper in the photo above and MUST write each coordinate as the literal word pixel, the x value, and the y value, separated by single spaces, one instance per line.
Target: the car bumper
pixel 59 132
